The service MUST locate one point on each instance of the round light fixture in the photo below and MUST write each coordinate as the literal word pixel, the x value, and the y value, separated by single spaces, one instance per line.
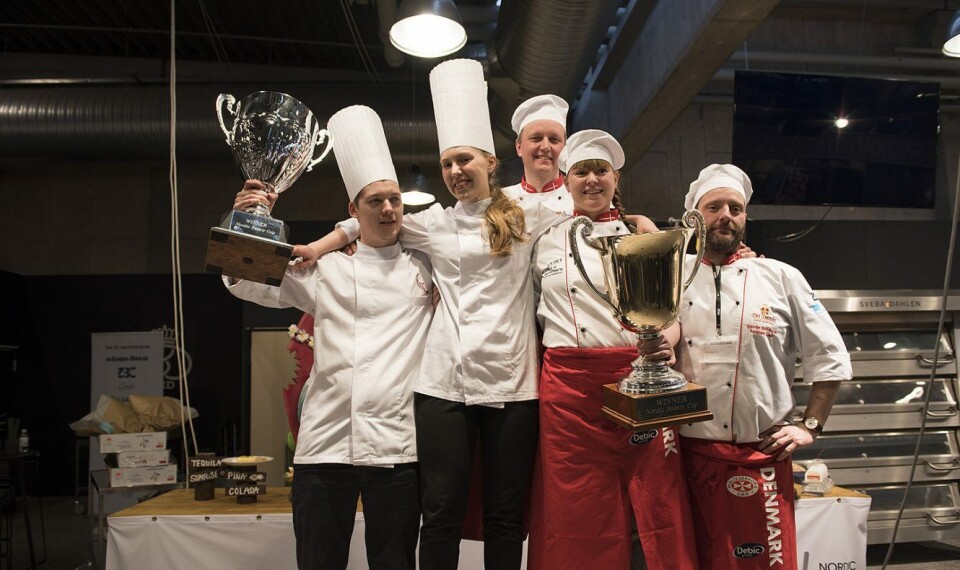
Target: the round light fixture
pixel 951 47
pixel 417 198
pixel 841 123
pixel 428 28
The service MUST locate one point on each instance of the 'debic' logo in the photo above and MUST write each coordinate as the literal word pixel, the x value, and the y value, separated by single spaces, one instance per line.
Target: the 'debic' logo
pixel 642 437
pixel 742 486
pixel 748 550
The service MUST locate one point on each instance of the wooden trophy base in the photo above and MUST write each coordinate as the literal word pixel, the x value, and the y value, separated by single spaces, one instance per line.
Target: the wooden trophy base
pixel 642 411
pixel 247 257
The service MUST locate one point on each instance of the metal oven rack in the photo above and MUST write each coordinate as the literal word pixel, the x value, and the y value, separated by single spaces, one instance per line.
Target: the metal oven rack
pixel 869 438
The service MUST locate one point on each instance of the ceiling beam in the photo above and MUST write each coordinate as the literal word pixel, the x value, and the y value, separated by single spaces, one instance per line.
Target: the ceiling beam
pixel 679 50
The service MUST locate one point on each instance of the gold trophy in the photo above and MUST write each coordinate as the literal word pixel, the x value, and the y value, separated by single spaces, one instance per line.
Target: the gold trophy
pixel 644 279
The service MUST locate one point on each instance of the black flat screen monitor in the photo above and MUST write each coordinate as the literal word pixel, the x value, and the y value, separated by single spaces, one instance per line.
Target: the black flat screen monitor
pixel 818 140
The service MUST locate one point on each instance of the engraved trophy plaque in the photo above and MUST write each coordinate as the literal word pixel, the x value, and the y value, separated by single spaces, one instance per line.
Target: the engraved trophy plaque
pixel 274 138
pixel 644 279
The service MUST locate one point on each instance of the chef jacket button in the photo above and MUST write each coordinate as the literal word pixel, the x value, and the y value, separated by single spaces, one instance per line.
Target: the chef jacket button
pixel 583 329
pixel 725 426
pixel 739 271
pixel 573 289
pixel 617 228
pixel 729 384
pixel 690 342
pixel 691 303
pixel 570 255
pixel 738 303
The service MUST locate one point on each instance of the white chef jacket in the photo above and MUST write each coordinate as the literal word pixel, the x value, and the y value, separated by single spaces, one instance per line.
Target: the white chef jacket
pixel 569 313
pixel 554 195
pixel 371 314
pixel 768 315
pixel 482 346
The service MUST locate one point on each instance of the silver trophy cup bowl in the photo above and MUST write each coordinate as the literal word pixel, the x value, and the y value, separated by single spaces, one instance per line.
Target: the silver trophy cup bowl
pixel 274 138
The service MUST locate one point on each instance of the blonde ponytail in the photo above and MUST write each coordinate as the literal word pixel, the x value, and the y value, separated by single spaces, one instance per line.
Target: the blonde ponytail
pixel 504 220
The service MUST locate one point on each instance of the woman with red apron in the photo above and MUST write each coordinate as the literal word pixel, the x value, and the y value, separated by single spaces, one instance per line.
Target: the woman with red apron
pixel 593 475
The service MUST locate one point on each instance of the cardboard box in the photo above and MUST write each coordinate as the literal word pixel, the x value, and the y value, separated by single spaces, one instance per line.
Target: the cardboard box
pixel 143 458
pixel 140 476
pixel 145 441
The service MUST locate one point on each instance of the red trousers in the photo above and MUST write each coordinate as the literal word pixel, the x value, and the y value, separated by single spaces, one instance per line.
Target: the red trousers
pixel 742 501
pixel 592 475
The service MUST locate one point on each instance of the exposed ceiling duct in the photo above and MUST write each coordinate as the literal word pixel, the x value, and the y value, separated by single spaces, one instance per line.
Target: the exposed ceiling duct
pixel 546 46
pixel 132 122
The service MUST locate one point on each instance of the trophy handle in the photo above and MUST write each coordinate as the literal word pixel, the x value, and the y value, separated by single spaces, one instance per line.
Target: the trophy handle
pixel 694 219
pixel 318 138
pixel 231 109
pixel 593 243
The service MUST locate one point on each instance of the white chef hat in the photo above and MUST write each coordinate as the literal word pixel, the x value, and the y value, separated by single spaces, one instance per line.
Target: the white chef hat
pixel 460 105
pixel 549 107
pixel 591 144
pixel 361 148
pixel 718 176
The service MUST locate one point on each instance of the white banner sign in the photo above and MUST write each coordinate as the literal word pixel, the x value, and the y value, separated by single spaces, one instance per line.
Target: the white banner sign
pixel 832 533
pixel 122 364
pixel 126 363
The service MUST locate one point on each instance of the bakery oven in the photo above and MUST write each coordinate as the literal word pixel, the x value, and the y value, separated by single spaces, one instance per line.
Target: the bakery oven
pixel 869 439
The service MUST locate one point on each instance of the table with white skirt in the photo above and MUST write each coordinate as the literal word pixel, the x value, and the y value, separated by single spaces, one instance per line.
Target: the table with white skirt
pixel 174 531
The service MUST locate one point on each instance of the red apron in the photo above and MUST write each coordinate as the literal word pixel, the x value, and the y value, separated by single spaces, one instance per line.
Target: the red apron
pixel 742 501
pixel 591 474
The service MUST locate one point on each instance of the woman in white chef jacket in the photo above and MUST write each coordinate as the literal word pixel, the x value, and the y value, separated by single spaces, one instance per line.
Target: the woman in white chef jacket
pixel 594 475
pixel 478 385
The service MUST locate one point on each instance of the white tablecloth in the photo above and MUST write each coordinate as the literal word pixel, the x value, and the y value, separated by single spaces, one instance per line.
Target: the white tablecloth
pixel 830 530
pixel 228 542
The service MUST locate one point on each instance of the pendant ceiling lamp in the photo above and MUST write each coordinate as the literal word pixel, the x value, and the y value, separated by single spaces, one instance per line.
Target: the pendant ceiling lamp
pixel 951 47
pixel 428 28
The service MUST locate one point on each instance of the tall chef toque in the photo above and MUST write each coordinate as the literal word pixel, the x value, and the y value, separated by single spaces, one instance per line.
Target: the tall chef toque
pixel 718 176
pixel 460 105
pixel 590 144
pixel 548 107
pixel 361 148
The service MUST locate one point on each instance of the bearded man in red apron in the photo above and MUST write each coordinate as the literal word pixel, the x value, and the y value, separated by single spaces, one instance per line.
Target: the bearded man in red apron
pixel 744 322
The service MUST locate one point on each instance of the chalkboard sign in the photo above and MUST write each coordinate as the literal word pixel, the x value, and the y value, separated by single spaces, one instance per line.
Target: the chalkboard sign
pixel 244 491
pixel 245 476
pixel 205 462
pixel 204 476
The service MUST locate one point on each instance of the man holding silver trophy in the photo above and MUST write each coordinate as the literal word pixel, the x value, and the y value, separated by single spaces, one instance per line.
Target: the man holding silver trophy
pixel 744 322
pixel 372 313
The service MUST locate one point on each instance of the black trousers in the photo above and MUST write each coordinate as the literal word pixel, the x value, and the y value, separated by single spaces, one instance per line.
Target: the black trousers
pixel 325 506
pixel 447 434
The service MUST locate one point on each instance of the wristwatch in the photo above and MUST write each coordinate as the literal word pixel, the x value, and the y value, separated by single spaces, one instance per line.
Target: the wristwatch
pixel 813 424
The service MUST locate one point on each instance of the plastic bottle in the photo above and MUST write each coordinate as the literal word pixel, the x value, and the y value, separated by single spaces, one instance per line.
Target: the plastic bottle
pixel 24 441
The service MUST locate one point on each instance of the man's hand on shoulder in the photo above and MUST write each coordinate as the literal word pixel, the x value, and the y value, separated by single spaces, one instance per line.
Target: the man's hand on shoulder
pixel 747 253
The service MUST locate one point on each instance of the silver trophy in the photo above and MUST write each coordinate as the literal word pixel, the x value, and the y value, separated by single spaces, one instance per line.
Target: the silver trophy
pixel 644 282
pixel 274 138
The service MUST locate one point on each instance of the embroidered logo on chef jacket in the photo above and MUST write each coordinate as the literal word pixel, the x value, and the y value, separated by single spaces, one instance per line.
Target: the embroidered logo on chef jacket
pixel 763 322
pixel 742 486
pixel 554 267
pixel 421 285
pixel 816 306
pixel 748 550
pixel 643 437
